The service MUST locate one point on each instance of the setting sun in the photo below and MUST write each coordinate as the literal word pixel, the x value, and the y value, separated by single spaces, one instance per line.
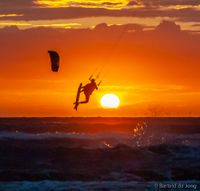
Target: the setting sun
pixel 110 101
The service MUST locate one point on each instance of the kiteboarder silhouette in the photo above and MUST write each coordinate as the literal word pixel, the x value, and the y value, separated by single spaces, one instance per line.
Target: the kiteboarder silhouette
pixel 88 89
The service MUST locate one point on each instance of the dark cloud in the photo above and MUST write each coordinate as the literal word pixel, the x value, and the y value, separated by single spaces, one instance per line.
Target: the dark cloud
pixel 122 28
pixel 132 3
pixel 19 7
pixel 27 10
pixel 15 4
pixel 194 17
pixel 78 12
pixel 153 3
pixel 168 27
pixel 111 4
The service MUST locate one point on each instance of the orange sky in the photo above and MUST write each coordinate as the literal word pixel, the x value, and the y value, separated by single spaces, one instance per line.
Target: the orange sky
pixel 150 64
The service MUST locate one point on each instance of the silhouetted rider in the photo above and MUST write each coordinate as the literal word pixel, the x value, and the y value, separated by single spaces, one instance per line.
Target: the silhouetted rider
pixel 88 90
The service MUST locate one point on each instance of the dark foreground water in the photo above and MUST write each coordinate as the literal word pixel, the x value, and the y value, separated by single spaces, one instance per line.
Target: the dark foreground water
pixel 99 154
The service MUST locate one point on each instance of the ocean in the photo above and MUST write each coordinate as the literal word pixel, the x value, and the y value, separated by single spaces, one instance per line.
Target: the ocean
pixel 99 154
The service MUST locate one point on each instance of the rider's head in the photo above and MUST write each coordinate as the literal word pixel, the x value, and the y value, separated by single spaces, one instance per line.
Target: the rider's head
pixel 93 80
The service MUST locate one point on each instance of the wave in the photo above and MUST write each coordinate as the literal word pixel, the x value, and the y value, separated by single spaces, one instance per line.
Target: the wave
pixel 106 139
pixel 90 152
pixel 98 125
pixel 35 161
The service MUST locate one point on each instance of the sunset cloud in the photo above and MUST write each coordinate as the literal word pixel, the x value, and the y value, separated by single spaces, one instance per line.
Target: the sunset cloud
pixel 10 15
pixel 78 12
pixel 110 4
pixel 157 3
pixel 28 11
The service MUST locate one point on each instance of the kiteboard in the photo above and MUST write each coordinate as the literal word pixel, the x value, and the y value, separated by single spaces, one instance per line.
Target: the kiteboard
pixel 76 103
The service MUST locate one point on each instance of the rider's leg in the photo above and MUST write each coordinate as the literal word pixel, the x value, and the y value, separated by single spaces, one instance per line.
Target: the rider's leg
pixel 87 97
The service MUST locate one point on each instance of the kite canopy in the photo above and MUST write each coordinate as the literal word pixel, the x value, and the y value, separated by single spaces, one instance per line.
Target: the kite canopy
pixel 54 57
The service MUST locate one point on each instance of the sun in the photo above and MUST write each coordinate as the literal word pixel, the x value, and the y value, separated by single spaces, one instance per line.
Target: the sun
pixel 110 101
